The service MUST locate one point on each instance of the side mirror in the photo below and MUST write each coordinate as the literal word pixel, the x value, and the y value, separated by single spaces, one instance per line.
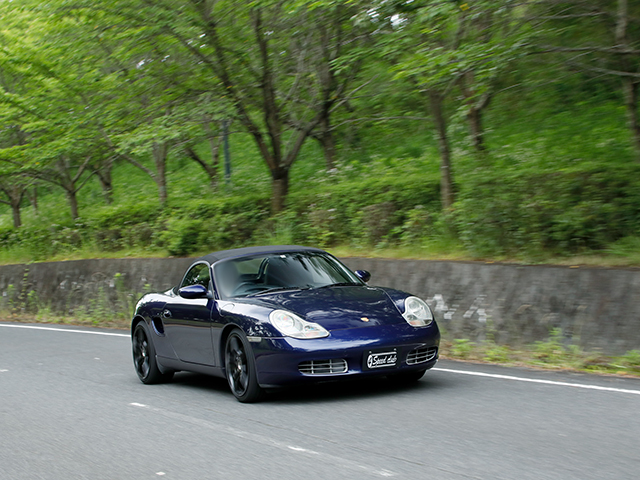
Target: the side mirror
pixel 193 291
pixel 363 275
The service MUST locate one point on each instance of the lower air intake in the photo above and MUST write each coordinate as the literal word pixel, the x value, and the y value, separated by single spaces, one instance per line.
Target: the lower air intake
pixel 323 367
pixel 421 355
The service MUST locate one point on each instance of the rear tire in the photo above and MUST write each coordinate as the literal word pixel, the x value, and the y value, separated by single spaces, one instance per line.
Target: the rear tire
pixel 240 368
pixel 144 357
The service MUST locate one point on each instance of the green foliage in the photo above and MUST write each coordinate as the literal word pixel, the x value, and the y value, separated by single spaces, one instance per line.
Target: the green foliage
pixel 552 350
pixel 462 348
pixel 114 80
pixel 357 207
pixel 497 353
pixel 181 236
pixel 127 214
pixel 548 354
pixel 630 360
pixel 584 207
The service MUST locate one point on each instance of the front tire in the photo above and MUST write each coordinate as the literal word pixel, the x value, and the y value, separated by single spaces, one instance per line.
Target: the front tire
pixel 144 357
pixel 240 368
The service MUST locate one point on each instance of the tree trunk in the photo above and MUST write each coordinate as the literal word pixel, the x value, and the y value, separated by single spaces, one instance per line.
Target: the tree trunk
pixel 17 221
pixel 211 169
pixel 475 107
pixel 280 188
pixel 630 88
pixel 474 117
pixel 15 193
pixel 33 198
pixel 160 151
pixel 446 182
pixel 629 84
pixel 104 176
pixel 328 145
pixel 214 146
pixel 73 202
pixel 215 160
pixel 107 186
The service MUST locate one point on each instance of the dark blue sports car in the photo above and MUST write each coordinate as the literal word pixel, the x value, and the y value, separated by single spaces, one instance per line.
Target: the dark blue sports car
pixel 265 317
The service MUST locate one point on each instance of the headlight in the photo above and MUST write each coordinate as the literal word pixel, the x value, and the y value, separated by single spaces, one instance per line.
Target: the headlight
pixel 292 325
pixel 416 312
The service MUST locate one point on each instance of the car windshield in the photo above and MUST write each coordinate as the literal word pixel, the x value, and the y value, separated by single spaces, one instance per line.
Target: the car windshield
pixel 262 274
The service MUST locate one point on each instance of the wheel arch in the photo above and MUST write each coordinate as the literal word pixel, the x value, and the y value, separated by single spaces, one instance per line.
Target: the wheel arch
pixel 136 320
pixel 230 327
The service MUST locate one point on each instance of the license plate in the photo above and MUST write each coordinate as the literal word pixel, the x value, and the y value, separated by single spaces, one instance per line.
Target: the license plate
pixel 381 359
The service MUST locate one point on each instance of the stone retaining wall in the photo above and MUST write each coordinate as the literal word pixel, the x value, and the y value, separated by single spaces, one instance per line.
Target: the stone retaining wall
pixel 596 308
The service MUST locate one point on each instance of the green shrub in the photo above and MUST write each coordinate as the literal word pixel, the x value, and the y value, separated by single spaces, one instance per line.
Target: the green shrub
pixel 126 214
pixel 365 210
pixel 530 210
pixel 181 236
pixel 462 348
pixel 229 230
pixel 109 240
pixel 497 353
pixel 552 350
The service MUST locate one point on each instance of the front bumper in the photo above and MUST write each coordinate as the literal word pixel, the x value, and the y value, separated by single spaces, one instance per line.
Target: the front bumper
pixel 278 359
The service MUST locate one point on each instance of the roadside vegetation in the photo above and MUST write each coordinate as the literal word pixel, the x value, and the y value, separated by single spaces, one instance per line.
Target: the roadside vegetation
pixel 553 354
pixel 486 130
pixel 482 130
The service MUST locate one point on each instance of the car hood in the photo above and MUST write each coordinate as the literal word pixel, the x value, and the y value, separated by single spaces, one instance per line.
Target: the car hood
pixel 336 307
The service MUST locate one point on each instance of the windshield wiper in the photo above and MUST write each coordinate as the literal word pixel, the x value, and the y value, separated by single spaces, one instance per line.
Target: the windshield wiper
pixel 341 284
pixel 276 289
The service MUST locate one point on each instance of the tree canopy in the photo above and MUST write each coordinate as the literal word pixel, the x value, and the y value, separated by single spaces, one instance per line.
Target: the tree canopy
pixel 87 87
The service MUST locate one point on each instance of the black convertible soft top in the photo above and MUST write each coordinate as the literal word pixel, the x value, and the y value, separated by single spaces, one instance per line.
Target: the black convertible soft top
pixel 214 257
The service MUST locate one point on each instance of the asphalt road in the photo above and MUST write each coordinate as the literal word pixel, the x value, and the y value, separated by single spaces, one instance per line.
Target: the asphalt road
pixel 72 407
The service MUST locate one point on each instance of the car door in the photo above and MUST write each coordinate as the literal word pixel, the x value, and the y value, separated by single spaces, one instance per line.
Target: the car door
pixel 187 321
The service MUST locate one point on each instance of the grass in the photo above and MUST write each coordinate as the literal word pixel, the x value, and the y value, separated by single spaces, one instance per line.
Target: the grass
pixel 441 251
pixel 46 317
pixel 616 256
pixel 455 252
pixel 18 255
pixel 549 355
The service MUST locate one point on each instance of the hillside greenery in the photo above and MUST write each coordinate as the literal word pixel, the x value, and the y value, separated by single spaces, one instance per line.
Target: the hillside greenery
pixel 478 130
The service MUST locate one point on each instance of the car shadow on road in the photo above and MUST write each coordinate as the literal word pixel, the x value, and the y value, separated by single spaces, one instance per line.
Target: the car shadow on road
pixel 345 390
pixel 201 382
pixel 351 390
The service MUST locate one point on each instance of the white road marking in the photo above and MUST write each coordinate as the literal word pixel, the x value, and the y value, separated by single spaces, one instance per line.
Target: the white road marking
pixel 68 330
pixel 2 371
pixel 463 372
pixel 300 449
pixel 134 404
pixel 535 380
pixel 339 461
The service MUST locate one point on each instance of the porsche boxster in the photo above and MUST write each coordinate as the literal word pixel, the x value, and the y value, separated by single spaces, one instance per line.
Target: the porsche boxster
pixel 265 317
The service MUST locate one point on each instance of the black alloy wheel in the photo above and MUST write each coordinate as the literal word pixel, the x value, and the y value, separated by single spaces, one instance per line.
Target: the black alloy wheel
pixel 240 368
pixel 144 357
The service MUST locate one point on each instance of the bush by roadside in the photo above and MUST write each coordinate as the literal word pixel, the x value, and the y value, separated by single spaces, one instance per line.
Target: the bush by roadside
pixel 531 214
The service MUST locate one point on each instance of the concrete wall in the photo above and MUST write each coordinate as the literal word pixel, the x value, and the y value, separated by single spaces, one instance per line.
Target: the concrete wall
pixel 87 286
pixel 596 308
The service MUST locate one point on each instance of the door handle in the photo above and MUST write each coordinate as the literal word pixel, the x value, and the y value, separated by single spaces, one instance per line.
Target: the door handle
pixel 166 313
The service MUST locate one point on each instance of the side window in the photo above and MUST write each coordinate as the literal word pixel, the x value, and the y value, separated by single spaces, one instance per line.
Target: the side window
pixel 198 275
